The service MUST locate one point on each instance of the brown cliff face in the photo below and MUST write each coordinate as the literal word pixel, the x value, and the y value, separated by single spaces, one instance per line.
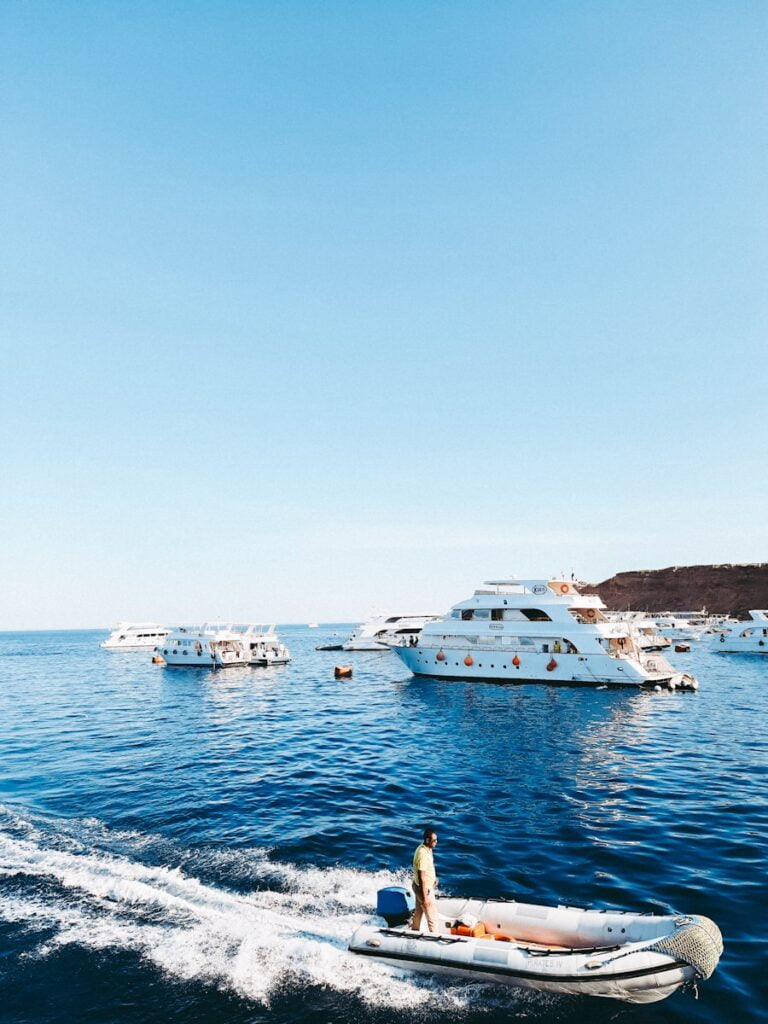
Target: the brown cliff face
pixel 731 589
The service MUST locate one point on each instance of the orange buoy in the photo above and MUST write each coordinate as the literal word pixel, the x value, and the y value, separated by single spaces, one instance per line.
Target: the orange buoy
pixel 552 665
pixel 516 661
pixel 469 660
pixel 440 656
pixel 343 671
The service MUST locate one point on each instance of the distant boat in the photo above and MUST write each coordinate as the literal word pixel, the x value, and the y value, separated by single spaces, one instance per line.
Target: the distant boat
pixel 313 625
pixel 681 625
pixel 383 631
pixel 218 645
pixel 750 637
pixel 645 631
pixel 334 643
pixel 135 636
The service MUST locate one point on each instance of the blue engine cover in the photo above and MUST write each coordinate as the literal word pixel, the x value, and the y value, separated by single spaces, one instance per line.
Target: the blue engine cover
pixel 395 904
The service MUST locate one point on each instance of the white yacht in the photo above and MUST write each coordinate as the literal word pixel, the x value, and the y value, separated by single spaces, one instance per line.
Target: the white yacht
pixel 217 645
pixel 681 625
pixel 540 630
pixel 721 623
pixel 135 636
pixel 748 637
pixel 646 631
pixel 382 631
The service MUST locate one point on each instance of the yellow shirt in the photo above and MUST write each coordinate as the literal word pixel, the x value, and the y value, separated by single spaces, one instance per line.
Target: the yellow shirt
pixel 423 860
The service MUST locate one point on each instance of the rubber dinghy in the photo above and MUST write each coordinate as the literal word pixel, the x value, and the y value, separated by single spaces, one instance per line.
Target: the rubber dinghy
pixel 639 958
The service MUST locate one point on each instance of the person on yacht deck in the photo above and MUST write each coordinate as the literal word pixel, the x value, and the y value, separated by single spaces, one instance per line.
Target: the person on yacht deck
pixel 425 882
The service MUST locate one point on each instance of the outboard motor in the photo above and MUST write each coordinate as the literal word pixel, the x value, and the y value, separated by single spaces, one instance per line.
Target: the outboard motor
pixel 395 904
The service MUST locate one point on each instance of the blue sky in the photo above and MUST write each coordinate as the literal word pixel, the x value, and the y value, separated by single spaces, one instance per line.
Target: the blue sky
pixel 309 310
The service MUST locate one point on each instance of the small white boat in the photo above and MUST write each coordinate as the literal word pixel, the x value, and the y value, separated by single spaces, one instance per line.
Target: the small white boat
pixel 268 650
pixel 749 637
pixel 639 958
pixel 135 636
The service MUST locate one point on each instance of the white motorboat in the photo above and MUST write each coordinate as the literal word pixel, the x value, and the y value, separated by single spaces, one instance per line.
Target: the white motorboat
pixel 268 650
pixel 218 645
pixel 135 636
pixel 515 631
pixel 382 631
pixel 748 637
pixel 639 958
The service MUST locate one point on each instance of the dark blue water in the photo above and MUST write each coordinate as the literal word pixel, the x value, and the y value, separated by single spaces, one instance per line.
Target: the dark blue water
pixel 182 845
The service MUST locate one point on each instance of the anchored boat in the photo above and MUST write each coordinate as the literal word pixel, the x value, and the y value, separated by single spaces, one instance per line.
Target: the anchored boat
pixel 639 958
pixel 135 636
pixel 516 631
pixel 380 632
pixel 749 637
pixel 217 645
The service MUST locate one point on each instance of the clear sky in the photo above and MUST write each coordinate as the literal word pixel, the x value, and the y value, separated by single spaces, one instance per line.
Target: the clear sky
pixel 314 309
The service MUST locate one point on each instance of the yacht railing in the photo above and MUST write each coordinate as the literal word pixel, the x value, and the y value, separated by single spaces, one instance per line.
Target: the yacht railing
pixel 503 645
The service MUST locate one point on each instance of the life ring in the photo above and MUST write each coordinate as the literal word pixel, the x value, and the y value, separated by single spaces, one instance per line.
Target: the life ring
pixel 564 588
pixel 590 613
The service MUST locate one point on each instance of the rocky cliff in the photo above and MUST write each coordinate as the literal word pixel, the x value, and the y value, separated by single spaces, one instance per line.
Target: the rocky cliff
pixel 731 589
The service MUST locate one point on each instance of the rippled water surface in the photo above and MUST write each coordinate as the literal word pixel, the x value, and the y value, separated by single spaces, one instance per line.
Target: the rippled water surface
pixel 182 844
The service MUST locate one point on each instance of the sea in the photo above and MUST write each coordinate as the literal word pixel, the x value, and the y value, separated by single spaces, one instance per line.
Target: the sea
pixel 186 845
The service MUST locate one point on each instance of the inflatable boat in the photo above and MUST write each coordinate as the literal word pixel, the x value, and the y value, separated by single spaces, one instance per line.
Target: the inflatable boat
pixel 639 958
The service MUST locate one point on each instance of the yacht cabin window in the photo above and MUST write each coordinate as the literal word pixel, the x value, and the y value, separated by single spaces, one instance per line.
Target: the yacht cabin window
pixel 502 614
pixel 535 615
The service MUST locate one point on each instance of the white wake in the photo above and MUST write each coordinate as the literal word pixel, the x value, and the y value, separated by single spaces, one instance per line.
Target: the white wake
pixel 252 944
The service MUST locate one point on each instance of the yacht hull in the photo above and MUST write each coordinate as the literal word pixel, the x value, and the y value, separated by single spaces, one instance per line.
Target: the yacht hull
pixel 498 667
pixel 734 647
pixel 129 647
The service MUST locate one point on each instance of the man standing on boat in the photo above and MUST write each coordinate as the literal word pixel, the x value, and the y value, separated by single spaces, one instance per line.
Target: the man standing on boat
pixel 425 882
